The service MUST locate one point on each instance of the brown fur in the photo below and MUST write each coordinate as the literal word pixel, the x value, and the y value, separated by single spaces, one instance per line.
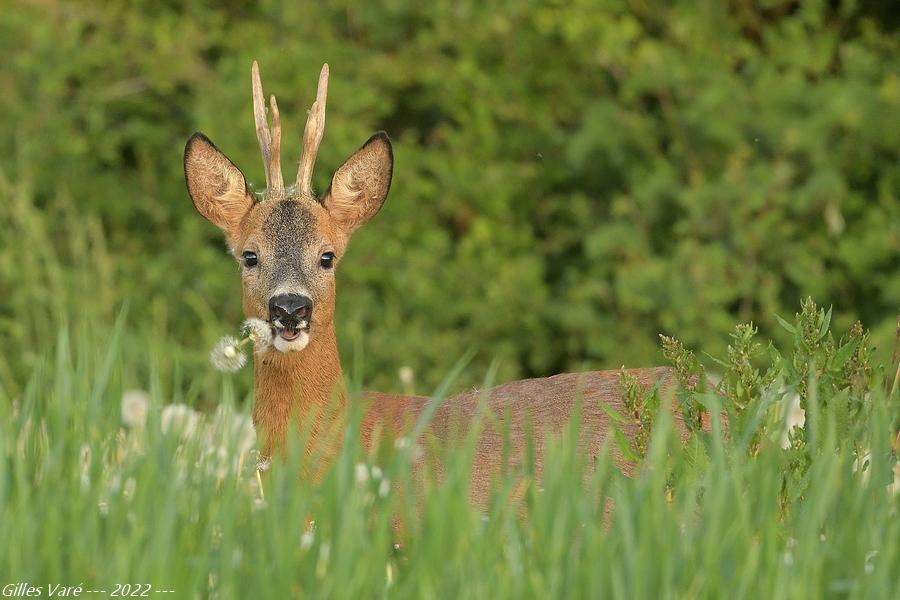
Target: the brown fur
pixel 539 408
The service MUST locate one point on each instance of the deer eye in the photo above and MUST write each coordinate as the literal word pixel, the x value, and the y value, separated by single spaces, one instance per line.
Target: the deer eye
pixel 249 257
pixel 327 260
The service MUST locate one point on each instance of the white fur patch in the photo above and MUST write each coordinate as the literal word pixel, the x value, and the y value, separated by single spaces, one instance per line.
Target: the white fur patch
pixel 283 345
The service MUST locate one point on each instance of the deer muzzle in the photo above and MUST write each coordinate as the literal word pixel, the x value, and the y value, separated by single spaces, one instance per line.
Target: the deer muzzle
pixel 290 316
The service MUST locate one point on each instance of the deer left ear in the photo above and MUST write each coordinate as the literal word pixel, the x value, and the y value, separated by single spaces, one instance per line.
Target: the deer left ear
pixel 359 188
pixel 216 186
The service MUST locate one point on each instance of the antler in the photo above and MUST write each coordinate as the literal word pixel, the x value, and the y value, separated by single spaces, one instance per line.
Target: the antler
pixel 312 134
pixel 269 140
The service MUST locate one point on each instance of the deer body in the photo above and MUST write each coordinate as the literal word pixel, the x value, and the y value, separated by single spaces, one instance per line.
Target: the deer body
pixel 285 389
pixel 531 409
pixel 288 245
pixel 304 384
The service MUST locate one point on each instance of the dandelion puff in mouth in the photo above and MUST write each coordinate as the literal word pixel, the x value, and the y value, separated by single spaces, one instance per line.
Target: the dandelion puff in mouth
pixel 259 332
pixel 227 356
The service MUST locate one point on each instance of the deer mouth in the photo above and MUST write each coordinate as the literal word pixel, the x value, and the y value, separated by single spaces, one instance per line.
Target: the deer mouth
pixel 290 335
pixel 289 330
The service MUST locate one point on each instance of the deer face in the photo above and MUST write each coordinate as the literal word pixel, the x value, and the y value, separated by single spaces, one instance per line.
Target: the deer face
pixel 288 252
pixel 288 244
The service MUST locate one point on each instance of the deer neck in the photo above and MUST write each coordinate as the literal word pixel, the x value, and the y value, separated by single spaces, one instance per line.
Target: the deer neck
pixel 304 388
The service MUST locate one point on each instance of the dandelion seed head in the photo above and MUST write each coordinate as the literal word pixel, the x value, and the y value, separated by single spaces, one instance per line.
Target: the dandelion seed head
pixel 406 375
pixel 362 473
pixel 179 418
pixel 226 356
pixel 259 332
pixel 134 407
pixel 306 540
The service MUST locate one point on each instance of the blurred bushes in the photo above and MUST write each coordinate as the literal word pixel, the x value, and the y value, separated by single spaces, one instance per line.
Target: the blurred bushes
pixel 570 180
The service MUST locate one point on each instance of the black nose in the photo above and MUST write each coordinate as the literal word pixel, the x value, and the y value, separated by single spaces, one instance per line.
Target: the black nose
pixel 290 308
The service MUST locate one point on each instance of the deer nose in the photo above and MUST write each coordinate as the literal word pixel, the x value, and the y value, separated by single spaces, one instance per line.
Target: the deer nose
pixel 290 307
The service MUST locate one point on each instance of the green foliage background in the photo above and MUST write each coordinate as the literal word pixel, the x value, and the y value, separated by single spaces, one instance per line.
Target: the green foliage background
pixel 571 178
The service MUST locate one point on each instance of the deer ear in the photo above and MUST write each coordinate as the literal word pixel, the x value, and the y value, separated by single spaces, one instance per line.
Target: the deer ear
pixel 359 187
pixel 216 186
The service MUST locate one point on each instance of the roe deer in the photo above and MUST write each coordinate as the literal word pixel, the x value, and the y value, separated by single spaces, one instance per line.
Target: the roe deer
pixel 288 245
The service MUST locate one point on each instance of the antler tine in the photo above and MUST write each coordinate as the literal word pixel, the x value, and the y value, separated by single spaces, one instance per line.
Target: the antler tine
pixel 269 140
pixel 312 134
pixel 274 167
pixel 262 124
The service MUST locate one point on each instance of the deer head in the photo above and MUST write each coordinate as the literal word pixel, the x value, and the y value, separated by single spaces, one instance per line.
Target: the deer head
pixel 287 241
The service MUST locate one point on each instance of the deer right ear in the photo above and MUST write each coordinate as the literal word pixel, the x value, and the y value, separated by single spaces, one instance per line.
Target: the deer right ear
pixel 360 186
pixel 217 187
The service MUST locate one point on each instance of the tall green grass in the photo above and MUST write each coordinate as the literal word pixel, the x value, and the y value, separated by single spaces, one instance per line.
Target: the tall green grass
pixel 56 268
pixel 86 499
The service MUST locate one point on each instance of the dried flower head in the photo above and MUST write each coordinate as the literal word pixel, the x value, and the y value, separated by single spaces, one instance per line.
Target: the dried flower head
pixel 306 540
pixel 227 355
pixel 134 407
pixel 180 418
pixel 259 332
pixel 406 375
pixel 362 473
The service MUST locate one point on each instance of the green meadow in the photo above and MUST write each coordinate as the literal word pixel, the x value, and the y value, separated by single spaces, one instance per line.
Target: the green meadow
pixel 103 486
